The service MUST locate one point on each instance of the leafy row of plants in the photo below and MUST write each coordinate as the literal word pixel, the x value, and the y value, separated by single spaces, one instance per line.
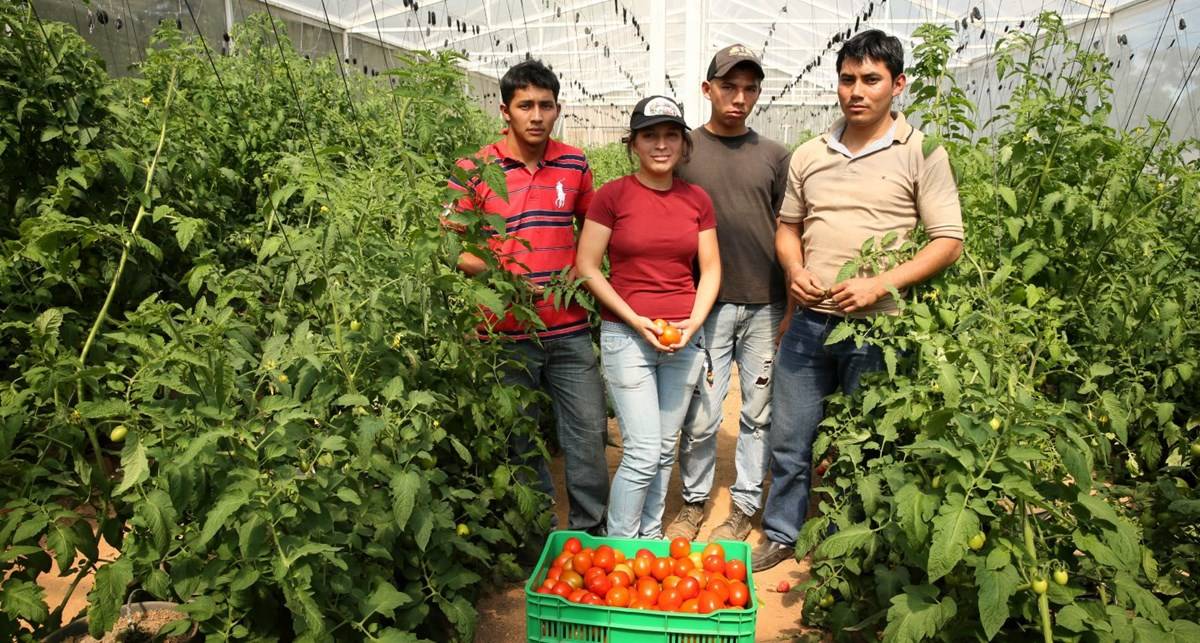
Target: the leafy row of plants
pixel 1027 468
pixel 235 347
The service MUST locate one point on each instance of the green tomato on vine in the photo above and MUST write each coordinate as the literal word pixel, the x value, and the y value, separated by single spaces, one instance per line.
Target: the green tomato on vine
pixel 976 542
pixel 118 433
pixel 1039 586
pixel 1061 577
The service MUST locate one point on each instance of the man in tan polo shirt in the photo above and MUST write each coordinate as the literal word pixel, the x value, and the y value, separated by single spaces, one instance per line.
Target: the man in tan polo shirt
pixel 869 175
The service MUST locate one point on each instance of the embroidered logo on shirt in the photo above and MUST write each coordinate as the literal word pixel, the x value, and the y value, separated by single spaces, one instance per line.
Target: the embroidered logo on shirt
pixel 560 195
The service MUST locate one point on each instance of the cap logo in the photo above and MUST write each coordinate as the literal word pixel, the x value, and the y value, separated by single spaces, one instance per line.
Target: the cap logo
pixel 740 51
pixel 662 107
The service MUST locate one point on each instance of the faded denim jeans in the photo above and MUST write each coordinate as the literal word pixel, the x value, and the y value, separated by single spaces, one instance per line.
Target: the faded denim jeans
pixel 567 369
pixel 806 372
pixel 650 391
pixel 745 333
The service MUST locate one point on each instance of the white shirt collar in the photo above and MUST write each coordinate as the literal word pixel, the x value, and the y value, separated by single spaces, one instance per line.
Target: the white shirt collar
pixel 834 141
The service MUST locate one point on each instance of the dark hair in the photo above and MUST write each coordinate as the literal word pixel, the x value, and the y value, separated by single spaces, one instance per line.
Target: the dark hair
pixel 525 74
pixel 630 135
pixel 876 45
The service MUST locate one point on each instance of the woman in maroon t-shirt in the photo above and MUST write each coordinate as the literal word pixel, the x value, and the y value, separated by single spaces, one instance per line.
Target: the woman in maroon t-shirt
pixel 655 228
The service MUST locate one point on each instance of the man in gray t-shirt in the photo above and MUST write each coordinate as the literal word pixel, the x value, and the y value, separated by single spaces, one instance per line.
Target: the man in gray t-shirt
pixel 746 175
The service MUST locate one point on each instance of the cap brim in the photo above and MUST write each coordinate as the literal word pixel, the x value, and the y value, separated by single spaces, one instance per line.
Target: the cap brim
pixel 728 67
pixel 650 121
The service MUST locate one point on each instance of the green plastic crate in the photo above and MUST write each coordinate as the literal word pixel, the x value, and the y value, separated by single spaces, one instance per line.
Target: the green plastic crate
pixel 553 619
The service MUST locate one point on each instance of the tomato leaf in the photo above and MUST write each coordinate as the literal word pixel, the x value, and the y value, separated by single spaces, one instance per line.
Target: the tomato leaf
pixel 135 467
pixel 845 541
pixel 24 599
pixel 917 615
pixel 107 595
pixel 404 496
pixel 233 499
pixel 952 528
pixel 996 587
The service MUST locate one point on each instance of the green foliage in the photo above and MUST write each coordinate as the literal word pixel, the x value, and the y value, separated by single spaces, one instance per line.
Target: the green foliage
pixel 245 267
pixel 1072 322
pixel 610 162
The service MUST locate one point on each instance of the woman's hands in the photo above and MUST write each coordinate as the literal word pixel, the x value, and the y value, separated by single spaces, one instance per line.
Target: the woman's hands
pixel 665 336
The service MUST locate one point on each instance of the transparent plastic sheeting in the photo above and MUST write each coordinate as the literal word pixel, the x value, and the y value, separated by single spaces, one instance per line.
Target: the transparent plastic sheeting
pixel 605 50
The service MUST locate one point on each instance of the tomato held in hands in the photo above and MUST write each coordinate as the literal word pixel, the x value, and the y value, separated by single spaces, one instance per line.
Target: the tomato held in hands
pixel 670 336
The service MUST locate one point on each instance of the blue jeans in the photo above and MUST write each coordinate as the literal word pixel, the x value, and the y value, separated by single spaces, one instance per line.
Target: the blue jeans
pixel 567 369
pixel 650 392
pixel 745 333
pixel 806 372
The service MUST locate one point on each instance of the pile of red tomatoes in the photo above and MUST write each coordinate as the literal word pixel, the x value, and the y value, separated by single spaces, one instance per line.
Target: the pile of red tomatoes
pixel 697 582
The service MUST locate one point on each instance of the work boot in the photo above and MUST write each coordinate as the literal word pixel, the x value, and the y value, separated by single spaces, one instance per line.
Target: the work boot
pixel 687 522
pixel 735 527
pixel 770 554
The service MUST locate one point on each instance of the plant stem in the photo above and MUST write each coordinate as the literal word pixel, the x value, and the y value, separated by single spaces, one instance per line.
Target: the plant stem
pixel 1043 599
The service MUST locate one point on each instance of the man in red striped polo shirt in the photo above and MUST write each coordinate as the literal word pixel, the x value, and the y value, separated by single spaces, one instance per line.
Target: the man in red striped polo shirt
pixel 549 189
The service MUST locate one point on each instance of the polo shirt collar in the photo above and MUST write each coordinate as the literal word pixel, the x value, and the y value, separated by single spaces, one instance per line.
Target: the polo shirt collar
pixel 554 149
pixel 899 133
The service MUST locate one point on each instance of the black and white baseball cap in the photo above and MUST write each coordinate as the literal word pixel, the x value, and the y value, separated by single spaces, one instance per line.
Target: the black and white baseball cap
pixel 653 110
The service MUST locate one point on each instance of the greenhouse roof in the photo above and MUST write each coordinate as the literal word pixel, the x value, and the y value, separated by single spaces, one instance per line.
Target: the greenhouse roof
pixel 615 51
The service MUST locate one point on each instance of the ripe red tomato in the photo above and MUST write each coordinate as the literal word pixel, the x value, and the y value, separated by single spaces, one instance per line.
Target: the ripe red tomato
pixel 545 590
pixel 645 553
pixel 739 594
pixel 582 561
pixel 713 549
pixel 599 585
pixel 562 559
pixel 669 600
pixel 700 575
pixel 682 566
pixel 688 587
pixel 604 559
pixel 691 606
pixel 548 584
pixel 577 595
pixel 735 570
pixel 562 588
pixel 618 597
pixel 592 572
pixel 709 602
pixel 641 566
pixel 592 599
pixel 554 573
pixel 671 581
pixel 662 568
pixel 619 556
pixel 680 547
pixel 670 335
pixel 714 564
pixel 648 591
pixel 720 588
pixel 620 579
pixel 783 587
pixel 572 545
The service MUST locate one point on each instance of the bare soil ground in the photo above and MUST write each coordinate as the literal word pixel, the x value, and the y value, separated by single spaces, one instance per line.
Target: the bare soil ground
pixel 502 614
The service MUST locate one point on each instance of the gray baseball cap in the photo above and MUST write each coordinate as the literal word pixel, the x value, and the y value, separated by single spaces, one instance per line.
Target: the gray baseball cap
pixel 731 57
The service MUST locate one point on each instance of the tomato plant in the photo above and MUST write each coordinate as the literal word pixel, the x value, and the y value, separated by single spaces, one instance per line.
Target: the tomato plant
pixel 1046 382
pixel 237 263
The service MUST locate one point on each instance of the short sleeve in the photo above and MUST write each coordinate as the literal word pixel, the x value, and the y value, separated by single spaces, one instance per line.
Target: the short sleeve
pixel 600 208
pixel 937 198
pixel 584 199
pixel 707 216
pixel 793 208
pixel 780 182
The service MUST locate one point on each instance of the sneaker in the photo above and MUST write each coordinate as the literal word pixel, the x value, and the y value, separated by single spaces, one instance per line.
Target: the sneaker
pixel 735 527
pixel 687 522
pixel 770 554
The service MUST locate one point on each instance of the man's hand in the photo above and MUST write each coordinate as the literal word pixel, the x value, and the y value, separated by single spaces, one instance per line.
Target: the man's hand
pixel 859 293
pixel 805 287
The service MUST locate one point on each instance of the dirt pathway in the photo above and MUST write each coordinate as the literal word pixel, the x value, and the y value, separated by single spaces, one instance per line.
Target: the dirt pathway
pixel 502 614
